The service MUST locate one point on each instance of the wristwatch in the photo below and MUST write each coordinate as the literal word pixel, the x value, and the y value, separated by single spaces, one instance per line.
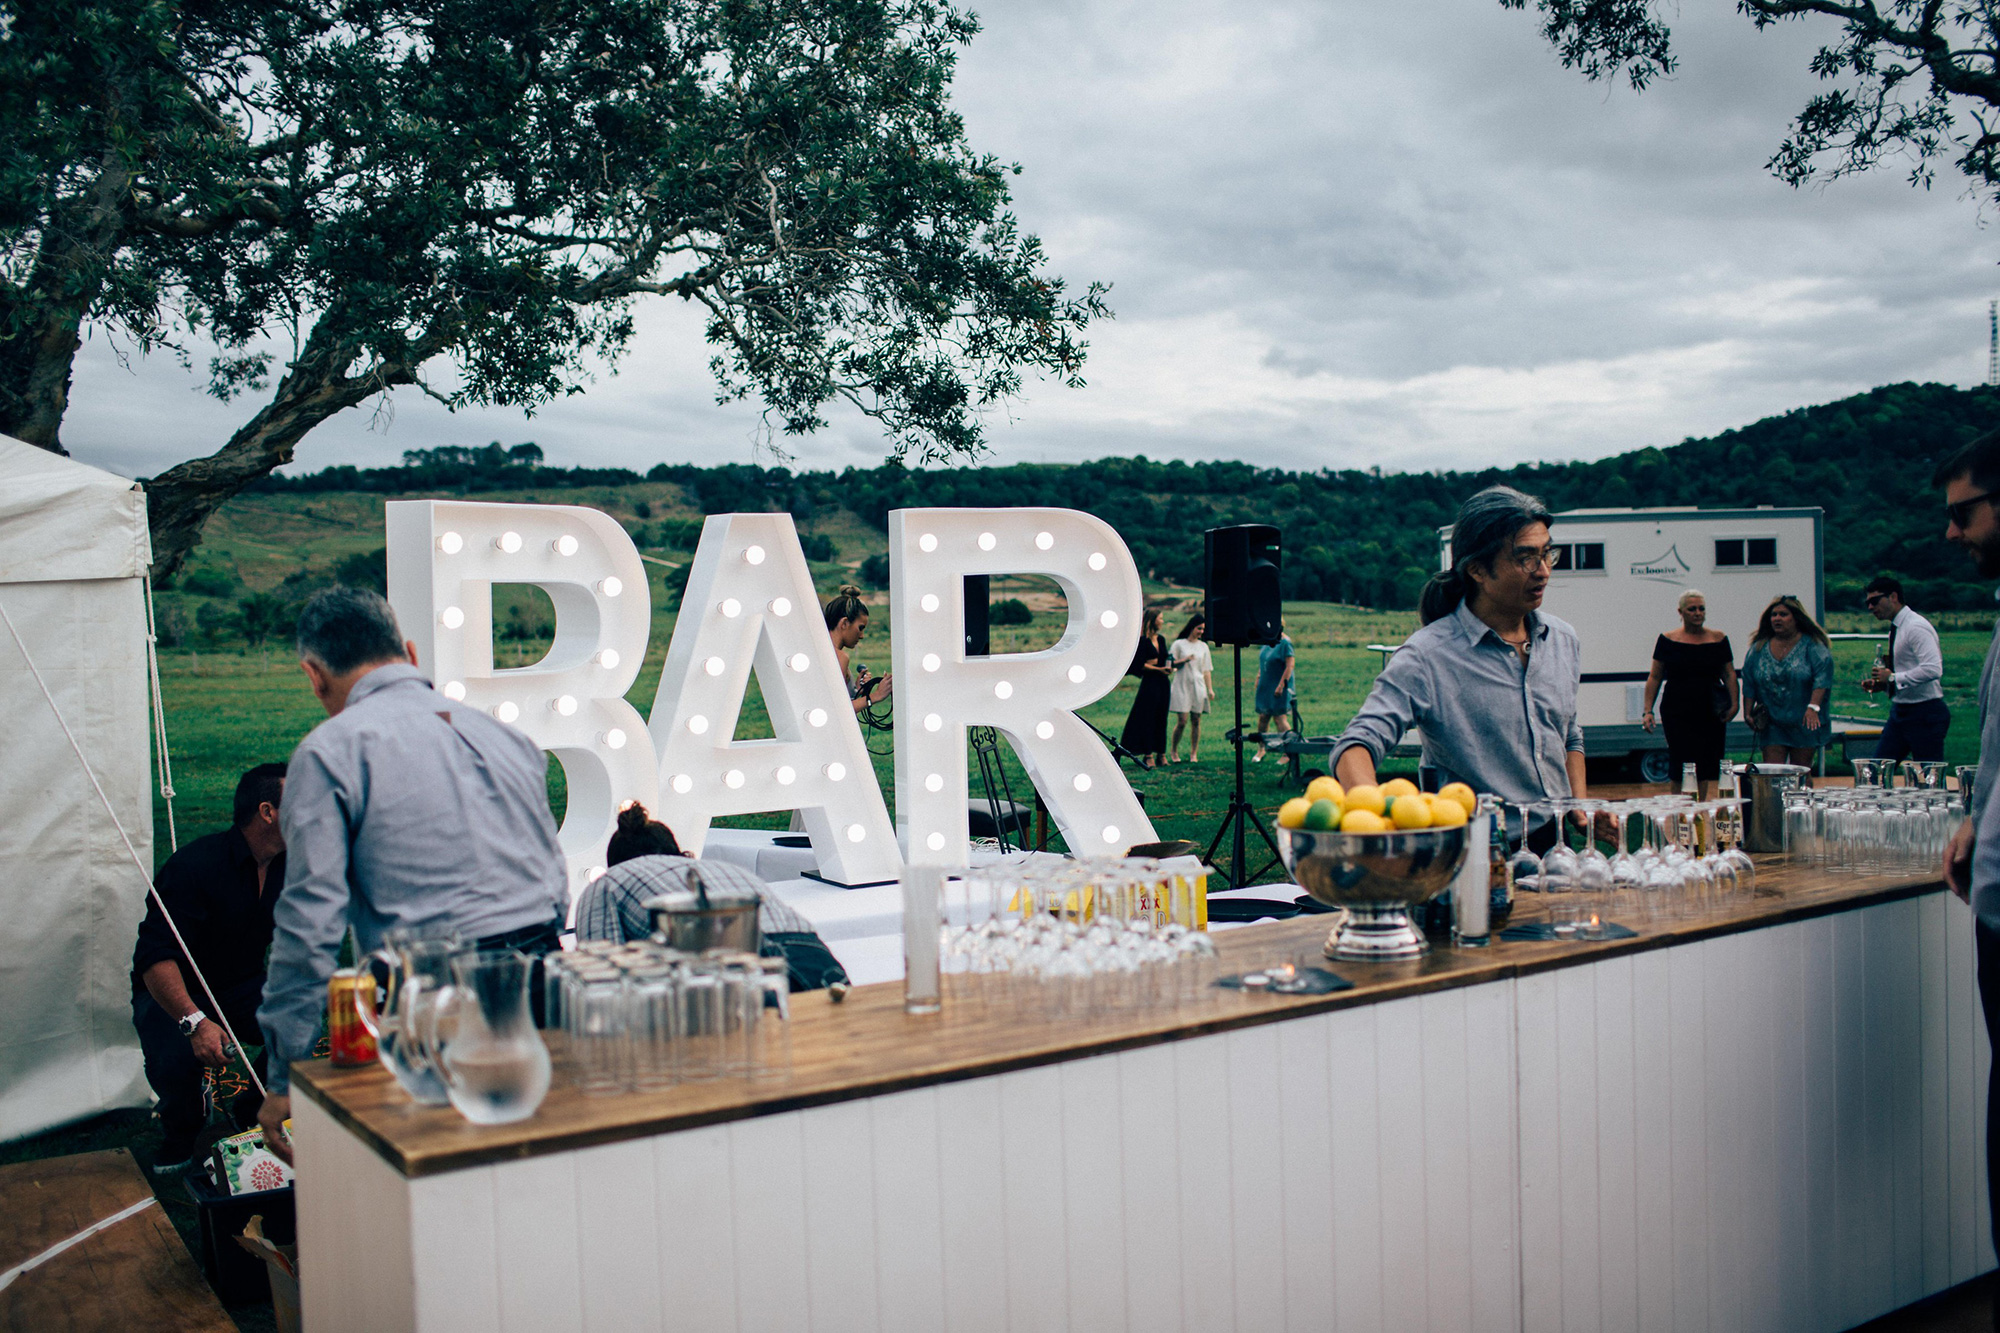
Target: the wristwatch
pixel 191 1022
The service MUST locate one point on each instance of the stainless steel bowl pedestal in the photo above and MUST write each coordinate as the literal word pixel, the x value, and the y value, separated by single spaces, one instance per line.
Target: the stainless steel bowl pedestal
pixel 1378 878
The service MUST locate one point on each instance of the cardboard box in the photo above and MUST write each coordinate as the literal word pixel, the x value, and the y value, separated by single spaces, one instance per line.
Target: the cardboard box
pixel 245 1166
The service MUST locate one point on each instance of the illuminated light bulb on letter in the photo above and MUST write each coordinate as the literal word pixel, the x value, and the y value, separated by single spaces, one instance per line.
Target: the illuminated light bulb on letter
pixel 855 833
pixel 835 771
pixel 987 541
pixel 454 690
pixel 608 659
pixel 682 783
pixel 817 717
pixel 715 666
pixel 786 775
pixel 754 554
pixel 509 542
pixel 451 617
pixel 932 661
pixel 1082 782
pixel 613 739
pixel 611 587
pixel 1045 730
pixel 927 543
pixel 781 606
pixel 565 705
pixel 1003 689
pixel 932 722
pixel 799 662
pixel 935 782
pixel 506 710
pixel 733 778
pixel 1111 833
pixel 564 545
pixel 698 725
pixel 1044 540
pixel 731 607
pixel 451 543
pixel 592 875
pixel 930 602
pixel 1098 560
pixel 935 842
pixel 1076 675
pixel 1109 620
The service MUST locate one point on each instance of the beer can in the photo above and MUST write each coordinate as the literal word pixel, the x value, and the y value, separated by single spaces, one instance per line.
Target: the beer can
pixel 352 1042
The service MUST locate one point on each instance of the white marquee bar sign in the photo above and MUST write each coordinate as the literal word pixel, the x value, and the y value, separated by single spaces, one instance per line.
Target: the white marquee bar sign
pixel 749 606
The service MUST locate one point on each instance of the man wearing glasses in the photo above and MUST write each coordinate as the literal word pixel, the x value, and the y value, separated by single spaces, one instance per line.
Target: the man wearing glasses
pixel 1971 478
pixel 1491 678
pixel 1914 679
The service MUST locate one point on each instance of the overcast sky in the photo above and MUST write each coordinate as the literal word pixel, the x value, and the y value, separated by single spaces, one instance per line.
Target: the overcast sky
pixel 1338 234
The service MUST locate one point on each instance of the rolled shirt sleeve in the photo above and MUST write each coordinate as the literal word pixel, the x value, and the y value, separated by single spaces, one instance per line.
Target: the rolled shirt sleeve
pixel 310 915
pixel 1928 657
pixel 1400 699
pixel 1746 678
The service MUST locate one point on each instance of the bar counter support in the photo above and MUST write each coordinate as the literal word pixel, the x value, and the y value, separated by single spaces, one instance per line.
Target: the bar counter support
pixel 1780 1128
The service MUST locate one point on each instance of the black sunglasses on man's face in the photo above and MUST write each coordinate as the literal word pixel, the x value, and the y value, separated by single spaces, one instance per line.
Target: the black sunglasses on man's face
pixel 1960 514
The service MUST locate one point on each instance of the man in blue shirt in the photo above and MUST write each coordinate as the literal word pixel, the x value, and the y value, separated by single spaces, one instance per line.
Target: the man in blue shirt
pixel 1971 481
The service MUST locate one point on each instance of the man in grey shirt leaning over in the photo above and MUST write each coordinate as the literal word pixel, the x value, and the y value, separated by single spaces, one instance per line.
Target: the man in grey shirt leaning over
pixel 1971 481
pixel 401 809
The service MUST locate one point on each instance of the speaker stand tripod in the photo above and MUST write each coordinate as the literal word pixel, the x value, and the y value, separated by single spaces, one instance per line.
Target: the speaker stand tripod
pixel 1240 812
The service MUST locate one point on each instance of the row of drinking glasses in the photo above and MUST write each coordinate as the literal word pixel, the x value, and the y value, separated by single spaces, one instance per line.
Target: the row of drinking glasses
pixel 1871 830
pixel 1047 938
pixel 641 1016
pixel 1925 773
pixel 1686 859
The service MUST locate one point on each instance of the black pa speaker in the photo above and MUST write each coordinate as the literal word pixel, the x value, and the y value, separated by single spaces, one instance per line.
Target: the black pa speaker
pixel 1241 585
pixel 978 623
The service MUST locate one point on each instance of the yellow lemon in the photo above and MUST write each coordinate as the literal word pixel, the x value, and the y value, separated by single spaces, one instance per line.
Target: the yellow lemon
pixel 1364 798
pixel 1363 821
pixel 1324 789
pixel 1292 814
pixel 1459 792
pixel 1411 811
pixel 1447 814
pixel 1399 787
pixel 1322 815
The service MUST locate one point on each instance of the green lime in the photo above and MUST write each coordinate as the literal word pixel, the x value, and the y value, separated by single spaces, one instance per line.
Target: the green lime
pixel 1322 816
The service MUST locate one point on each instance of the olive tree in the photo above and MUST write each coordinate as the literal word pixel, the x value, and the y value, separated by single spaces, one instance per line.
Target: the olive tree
pixel 467 197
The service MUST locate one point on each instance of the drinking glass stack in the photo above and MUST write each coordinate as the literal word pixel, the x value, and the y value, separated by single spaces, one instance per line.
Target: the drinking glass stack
pixel 1872 828
pixel 1042 938
pixel 1672 858
pixel 641 1017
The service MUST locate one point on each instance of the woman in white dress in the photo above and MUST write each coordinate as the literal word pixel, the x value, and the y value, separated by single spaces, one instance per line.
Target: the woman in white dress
pixel 1192 688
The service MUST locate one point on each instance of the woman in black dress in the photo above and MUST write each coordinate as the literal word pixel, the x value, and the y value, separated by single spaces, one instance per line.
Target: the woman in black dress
pixel 1699 671
pixel 1146 725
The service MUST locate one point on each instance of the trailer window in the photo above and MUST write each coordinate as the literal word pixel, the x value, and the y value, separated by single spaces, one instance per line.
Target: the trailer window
pixel 1589 557
pixel 1746 553
pixel 1729 553
pixel 1559 558
pixel 1761 551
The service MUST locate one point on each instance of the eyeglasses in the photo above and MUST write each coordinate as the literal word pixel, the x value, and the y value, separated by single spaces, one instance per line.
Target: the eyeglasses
pixel 1527 559
pixel 1872 598
pixel 1961 513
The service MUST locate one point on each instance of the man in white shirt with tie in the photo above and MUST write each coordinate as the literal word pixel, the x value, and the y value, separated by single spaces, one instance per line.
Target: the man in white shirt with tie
pixel 1914 678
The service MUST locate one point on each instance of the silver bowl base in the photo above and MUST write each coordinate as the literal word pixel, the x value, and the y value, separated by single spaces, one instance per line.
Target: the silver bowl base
pixel 1376 935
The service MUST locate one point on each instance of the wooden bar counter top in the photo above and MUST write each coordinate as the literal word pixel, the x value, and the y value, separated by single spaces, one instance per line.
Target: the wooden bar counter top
pixel 867 1045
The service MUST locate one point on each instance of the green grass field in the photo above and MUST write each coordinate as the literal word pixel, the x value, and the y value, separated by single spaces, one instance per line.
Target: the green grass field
pixel 228 710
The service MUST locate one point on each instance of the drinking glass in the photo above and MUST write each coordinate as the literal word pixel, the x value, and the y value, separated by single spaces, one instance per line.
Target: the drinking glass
pixel 1523 866
pixel 1561 874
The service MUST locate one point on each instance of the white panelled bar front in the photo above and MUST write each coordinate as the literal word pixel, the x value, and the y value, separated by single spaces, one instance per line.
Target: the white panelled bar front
pixel 1779 1128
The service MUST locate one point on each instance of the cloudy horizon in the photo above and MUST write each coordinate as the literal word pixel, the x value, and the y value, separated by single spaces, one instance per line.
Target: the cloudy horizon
pixel 1338 235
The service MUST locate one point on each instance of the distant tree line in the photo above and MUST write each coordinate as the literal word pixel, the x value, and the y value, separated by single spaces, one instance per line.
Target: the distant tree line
pixel 1365 537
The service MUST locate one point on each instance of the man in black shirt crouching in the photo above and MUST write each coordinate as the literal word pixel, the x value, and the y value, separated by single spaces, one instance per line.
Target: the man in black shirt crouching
pixel 220 890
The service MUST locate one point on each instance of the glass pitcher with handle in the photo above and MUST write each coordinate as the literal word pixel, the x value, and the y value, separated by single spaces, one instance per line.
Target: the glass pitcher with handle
pixel 418 969
pixel 480 1037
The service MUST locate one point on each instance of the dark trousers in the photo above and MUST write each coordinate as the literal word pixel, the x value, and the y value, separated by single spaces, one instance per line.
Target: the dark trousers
pixel 538 942
pixel 1989 1000
pixel 171 1068
pixel 1914 731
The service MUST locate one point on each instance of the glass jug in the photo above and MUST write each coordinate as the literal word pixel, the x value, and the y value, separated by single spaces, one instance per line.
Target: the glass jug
pixel 418 968
pixel 481 1038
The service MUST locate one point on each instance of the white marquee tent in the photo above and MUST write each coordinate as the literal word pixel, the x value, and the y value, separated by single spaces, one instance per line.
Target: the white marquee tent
pixel 73 560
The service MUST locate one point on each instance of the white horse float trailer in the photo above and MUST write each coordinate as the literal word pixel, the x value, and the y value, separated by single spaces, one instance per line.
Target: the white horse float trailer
pixel 1618 578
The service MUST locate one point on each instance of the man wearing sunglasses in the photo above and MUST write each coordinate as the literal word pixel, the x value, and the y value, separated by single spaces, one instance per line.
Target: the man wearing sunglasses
pixel 1914 679
pixel 1971 479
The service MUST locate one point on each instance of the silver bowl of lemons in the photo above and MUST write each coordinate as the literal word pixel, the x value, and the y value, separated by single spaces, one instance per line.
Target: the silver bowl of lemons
pixel 1375 852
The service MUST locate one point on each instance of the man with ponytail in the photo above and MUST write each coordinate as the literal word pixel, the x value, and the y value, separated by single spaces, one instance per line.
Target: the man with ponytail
pixel 1490 679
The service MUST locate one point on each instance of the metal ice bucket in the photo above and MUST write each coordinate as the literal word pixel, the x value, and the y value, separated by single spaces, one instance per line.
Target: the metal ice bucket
pixel 697 918
pixel 1765 785
pixel 1378 878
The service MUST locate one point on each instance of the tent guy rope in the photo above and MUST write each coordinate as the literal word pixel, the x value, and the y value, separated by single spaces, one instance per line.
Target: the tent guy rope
pixel 160 720
pixel 132 852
